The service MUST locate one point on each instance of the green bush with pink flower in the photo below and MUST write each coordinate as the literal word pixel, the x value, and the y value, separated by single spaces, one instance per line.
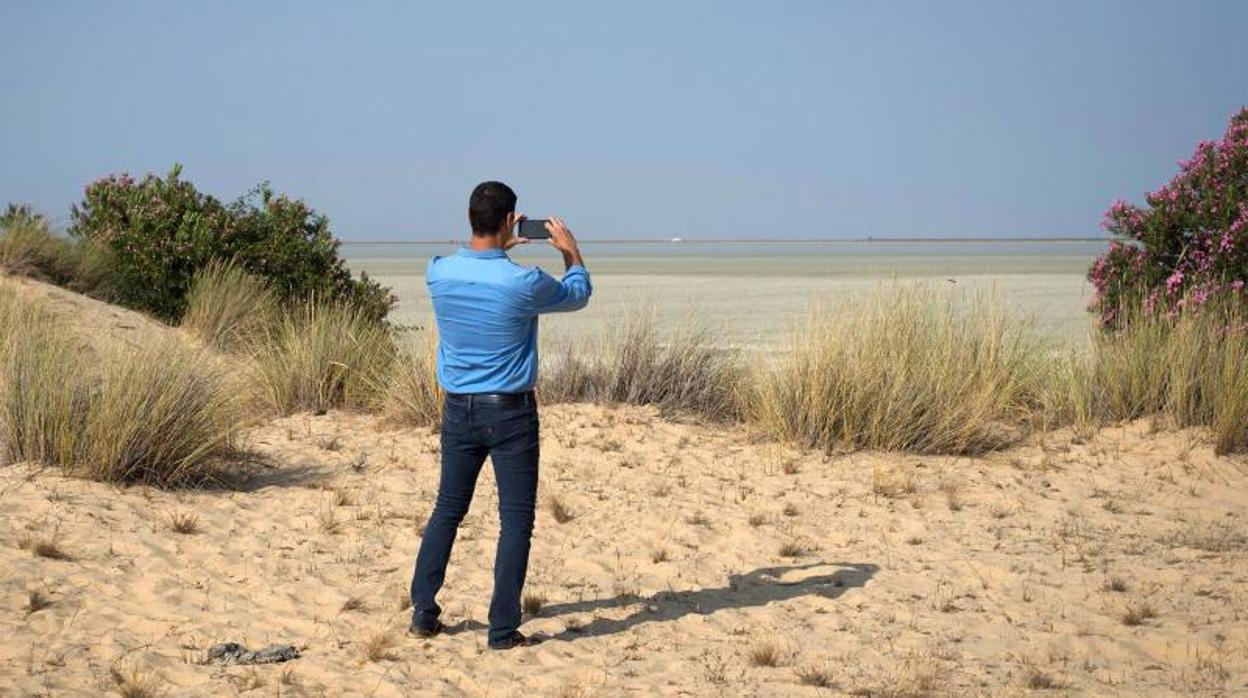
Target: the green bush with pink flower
pixel 161 231
pixel 1187 246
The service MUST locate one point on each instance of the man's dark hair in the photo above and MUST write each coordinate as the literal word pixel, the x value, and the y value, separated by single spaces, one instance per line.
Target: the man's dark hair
pixel 488 207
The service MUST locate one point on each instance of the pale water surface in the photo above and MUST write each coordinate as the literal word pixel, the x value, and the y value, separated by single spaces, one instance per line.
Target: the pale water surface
pixel 754 294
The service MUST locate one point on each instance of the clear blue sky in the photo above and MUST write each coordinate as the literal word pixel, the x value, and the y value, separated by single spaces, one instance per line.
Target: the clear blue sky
pixel 644 119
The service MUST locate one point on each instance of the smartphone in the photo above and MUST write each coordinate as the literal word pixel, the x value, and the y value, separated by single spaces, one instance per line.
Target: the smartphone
pixel 533 229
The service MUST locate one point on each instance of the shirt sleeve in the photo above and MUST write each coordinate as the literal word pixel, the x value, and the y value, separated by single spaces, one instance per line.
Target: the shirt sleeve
pixel 550 295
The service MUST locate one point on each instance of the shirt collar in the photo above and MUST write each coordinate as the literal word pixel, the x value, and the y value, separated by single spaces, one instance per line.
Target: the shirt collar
pixel 493 253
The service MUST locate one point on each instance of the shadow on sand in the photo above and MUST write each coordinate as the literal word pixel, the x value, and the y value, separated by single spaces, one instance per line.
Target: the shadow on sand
pixel 757 588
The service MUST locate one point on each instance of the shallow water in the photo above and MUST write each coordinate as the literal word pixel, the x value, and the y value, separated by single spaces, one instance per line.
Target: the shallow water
pixel 754 294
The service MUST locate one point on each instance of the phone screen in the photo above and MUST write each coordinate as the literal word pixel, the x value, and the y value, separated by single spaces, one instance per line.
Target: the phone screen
pixel 534 229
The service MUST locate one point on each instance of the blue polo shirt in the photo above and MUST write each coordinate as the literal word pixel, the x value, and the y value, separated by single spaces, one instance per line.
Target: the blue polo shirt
pixel 486 308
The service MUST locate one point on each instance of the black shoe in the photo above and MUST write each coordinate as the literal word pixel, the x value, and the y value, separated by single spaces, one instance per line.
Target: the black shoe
pixel 517 639
pixel 438 627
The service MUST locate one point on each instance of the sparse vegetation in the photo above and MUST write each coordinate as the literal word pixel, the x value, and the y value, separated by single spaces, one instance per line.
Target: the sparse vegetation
pixel 1136 612
pixel 766 653
pixel 632 363
pixel 380 647
pixel 532 602
pixel 558 509
pixel 183 522
pixel 817 676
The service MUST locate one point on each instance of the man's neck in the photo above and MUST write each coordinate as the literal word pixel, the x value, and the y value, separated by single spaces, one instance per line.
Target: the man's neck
pixel 484 242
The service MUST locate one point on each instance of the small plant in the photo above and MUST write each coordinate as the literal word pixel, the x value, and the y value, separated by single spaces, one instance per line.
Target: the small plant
pixel 558 509
pixel 817 676
pixel 1115 584
pixel 36 601
pixel 793 548
pixel 893 482
pixel 1137 612
pixel 767 653
pixel 757 519
pixel 353 603
pixel 44 547
pixel 659 555
pixel 790 510
pixel 184 523
pixel 133 682
pixel 532 603
pixel 380 647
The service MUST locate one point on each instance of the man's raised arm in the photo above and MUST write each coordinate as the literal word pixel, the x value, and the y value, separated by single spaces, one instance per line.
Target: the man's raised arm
pixel 570 293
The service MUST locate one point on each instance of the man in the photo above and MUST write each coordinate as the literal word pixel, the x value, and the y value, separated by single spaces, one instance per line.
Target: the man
pixel 486 307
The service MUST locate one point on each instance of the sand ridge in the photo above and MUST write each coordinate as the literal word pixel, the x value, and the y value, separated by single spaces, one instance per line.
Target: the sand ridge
pixel 689 551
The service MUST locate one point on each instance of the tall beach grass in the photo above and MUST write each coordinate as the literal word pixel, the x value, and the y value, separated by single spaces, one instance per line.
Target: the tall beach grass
pixel 228 308
pixel 633 363
pixel 911 369
pixel 158 414
pixel 321 355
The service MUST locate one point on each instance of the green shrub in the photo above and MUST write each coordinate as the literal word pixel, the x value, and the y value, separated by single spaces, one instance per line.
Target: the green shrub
pixel 161 231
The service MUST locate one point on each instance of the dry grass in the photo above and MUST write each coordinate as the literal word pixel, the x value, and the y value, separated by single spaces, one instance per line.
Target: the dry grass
pixel 817 676
pixel 159 413
pixel 632 363
pixel 558 509
pixel 532 602
pixel 410 394
pixel 1136 612
pixel 1189 368
pixel 380 647
pixel 766 653
pixel 912 369
pixel 42 546
pixel 322 355
pixel 184 523
pixel 133 682
pixel 228 308
pixel 36 601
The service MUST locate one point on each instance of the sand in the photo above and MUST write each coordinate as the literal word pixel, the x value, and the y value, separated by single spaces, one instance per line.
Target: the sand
pixel 1114 564
pixel 753 296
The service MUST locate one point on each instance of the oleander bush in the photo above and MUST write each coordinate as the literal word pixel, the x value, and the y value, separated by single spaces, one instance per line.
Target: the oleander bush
pixel 162 231
pixel 1188 244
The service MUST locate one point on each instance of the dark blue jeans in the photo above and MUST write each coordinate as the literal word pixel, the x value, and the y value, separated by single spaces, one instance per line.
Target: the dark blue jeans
pixel 508 434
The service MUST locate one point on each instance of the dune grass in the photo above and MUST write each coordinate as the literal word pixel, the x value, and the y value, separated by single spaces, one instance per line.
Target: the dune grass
pixel 1190 368
pixel 684 372
pixel 158 414
pixel 28 247
pixel 322 355
pixel 911 369
pixel 409 394
pixel 228 308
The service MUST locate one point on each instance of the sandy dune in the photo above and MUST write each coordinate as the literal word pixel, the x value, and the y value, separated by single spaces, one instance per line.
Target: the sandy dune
pixel 690 560
pixel 910 574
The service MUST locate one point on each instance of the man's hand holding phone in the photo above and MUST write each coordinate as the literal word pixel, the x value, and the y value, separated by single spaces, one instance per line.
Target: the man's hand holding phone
pixel 561 239
pixel 554 231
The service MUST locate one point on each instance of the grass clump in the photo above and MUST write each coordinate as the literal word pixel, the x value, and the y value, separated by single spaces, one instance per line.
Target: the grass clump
pixel 1189 367
pixel 323 355
pixel 158 414
pixel 228 308
pixel 633 364
pixel 410 394
pixel 907 370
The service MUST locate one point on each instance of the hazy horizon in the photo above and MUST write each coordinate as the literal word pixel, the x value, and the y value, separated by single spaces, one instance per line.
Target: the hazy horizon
pixel 652 120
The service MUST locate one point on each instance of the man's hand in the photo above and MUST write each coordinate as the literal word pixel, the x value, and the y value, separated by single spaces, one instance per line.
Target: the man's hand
pixel 561 239
pixel 512 239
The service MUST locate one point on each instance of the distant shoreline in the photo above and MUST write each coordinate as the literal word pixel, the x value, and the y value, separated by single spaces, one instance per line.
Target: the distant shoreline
pixel 785 241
